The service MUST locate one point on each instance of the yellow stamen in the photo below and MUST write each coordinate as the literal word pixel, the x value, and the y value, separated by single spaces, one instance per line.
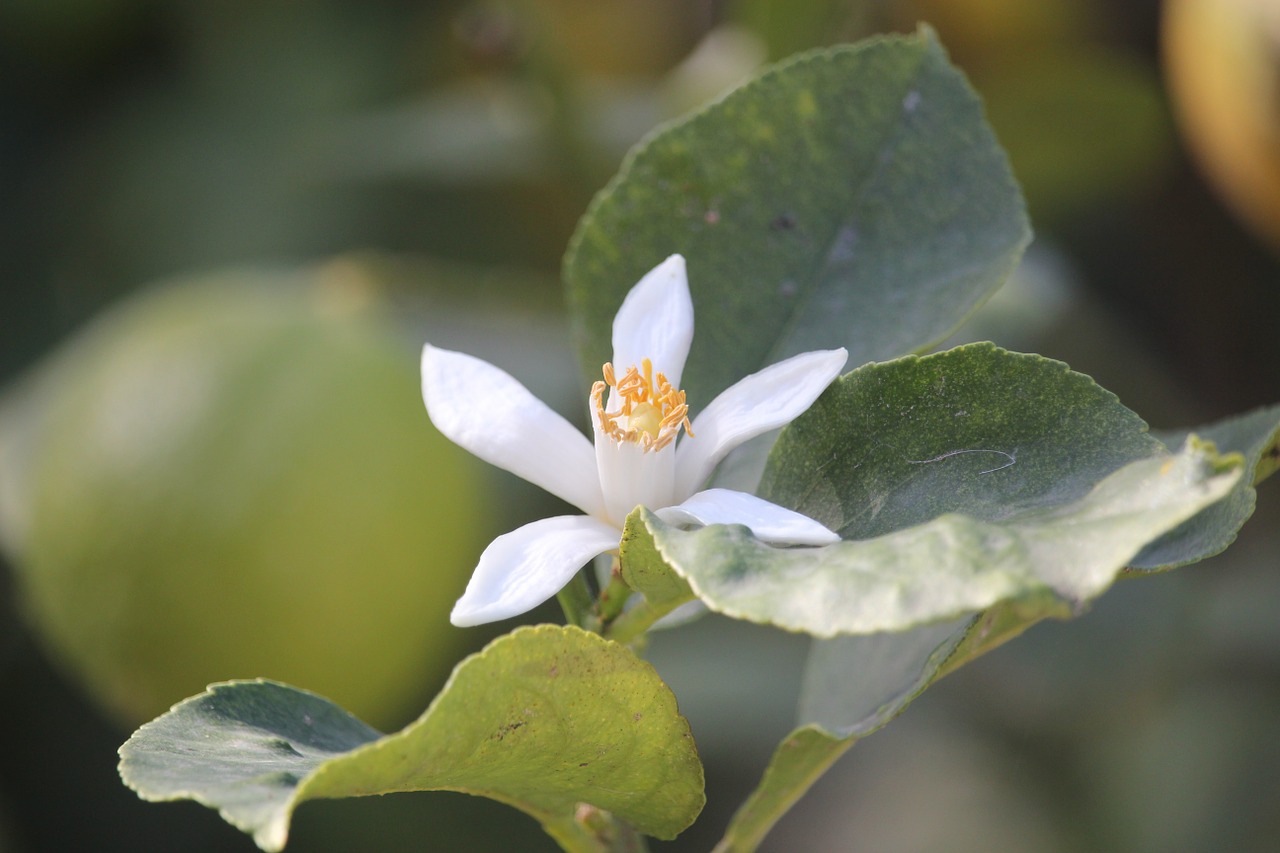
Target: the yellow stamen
pixel 654 410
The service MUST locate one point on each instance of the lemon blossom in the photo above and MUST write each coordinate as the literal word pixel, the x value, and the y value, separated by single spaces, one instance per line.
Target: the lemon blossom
pixel 638 457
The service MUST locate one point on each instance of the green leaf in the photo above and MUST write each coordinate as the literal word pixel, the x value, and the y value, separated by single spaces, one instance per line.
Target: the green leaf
pixel 544 719
pixel 242 748
pixel 854 685
pixel 976 430
pixel 969 478
pixel 1058 421
pixel 852 197
pixel 1256 436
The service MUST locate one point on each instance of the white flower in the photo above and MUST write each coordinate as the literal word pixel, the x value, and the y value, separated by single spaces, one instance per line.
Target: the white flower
pixel 636 458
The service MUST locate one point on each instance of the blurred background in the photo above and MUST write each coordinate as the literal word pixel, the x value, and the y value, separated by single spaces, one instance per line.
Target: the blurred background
pixel 228 227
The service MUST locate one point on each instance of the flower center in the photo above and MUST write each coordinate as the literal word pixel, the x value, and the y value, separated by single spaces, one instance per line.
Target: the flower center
pixel 650 413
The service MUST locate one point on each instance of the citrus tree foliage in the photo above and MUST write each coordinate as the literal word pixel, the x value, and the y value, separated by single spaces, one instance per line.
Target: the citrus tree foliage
pixel 852 197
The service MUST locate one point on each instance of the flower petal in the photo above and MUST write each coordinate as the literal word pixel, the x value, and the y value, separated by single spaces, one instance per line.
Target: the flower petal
pixel 767 521
pixel 753 405
pixel 484 410
pixel 631 476
pixel 656 322
pixel 521 569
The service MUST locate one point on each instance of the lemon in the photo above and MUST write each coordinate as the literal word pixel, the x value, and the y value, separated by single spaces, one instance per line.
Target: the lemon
pixel 236 478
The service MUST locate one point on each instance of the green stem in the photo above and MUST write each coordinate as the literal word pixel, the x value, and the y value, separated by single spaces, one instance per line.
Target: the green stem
pixel 614 596
pixel 577 602
pixel 799 761
pixel 592 830
pixel 630 841
pixel 633 624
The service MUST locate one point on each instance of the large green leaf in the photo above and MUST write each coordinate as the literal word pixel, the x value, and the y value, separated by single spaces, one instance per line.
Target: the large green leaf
pixel 854 685
pixel 850 197
pixel 1256 436
pixel 1062 421
pixel 959 481
pixel 1052 560
pixel 976 430
pixel 544 719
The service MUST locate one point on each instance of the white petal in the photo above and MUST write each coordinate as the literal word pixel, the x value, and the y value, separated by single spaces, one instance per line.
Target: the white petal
pixel 484 410
pixel 656 322
pixel 753 405
pixel 767 521
pixel 521 569
pixel 630 477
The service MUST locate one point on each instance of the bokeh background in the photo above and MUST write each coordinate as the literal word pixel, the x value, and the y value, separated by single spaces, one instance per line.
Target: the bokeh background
pixel 227 227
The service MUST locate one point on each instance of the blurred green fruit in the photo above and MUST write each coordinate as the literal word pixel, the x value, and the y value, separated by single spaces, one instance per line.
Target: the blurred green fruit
pixel 234 478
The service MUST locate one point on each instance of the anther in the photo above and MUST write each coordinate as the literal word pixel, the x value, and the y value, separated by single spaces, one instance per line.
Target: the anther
pixel 643 394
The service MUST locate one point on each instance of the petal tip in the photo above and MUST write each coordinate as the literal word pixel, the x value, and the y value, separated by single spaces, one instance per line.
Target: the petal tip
pixel 465 615
pixel 433 357
pixel 826 536
pixel 672 272
pixel 839 356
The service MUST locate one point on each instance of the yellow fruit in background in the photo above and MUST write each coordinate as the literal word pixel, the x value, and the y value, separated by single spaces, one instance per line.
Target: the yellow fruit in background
pixel 235 478
pixel 974 30
pixel 1223 65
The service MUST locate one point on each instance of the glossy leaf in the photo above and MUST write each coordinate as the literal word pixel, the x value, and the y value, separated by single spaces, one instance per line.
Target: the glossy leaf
pixel 544 719
pixel 849 197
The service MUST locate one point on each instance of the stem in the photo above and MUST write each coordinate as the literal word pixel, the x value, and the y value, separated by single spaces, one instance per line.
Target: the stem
pixel 624 839
pixel 577 601
pixel 592 830
pixel 799 761
pixel 633 624
pixel 614 596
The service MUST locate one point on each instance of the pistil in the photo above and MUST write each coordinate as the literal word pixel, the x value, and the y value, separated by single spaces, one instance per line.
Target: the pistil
pixel 646 409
